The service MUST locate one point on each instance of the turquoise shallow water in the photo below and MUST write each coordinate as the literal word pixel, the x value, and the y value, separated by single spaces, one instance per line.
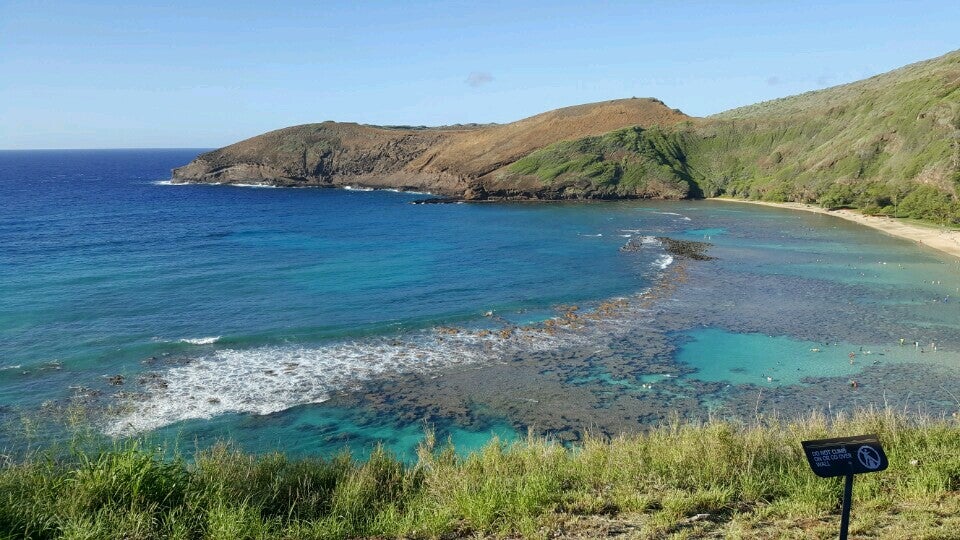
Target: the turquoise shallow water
pixel 312 320
pixel 721 356
pixel 327 431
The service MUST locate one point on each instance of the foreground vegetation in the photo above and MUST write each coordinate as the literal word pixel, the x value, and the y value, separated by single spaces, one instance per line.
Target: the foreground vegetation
pixel 888 145
pixel 679 480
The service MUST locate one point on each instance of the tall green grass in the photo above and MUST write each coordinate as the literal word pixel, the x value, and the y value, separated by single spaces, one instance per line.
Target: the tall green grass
pixel 747 478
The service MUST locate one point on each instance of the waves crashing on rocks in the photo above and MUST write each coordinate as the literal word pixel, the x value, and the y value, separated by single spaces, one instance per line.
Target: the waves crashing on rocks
pixel 269 379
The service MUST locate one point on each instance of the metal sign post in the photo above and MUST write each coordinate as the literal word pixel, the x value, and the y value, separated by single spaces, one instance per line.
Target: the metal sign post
pixel 845 456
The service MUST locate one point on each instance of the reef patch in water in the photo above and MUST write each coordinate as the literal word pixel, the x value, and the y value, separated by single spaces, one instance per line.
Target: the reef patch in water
pixel 689 249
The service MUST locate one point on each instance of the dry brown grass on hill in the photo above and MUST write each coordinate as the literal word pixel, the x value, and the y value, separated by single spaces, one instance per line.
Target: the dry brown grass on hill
pixel 442 160
pixel 480 152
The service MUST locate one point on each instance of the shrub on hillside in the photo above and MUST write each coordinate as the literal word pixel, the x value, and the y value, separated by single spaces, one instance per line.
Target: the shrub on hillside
pixel 927 202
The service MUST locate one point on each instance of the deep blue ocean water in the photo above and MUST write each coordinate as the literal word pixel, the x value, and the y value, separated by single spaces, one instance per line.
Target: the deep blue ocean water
pixel 237 311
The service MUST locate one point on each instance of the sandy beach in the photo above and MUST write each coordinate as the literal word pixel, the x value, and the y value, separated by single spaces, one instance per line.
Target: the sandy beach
pixel 939 238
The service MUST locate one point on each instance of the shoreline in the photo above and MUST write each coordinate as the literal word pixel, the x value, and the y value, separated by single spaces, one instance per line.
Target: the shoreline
pixel 941 239
pixel 938 238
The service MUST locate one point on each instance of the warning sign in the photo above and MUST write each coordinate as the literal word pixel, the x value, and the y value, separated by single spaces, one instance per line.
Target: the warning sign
pixel 845 455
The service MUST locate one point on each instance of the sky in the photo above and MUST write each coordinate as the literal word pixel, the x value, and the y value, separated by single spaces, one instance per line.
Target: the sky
pixel 192 74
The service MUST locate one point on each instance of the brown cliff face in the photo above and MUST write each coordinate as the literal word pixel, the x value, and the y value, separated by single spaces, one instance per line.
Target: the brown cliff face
pixel 451 161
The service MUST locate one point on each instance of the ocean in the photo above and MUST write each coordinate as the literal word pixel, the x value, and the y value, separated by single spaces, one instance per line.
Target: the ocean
pixel 314 320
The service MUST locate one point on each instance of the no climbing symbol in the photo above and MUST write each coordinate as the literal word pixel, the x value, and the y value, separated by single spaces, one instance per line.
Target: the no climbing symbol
pixel 869 457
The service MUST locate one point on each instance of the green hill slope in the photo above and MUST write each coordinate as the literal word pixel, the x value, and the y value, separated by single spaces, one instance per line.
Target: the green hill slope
pixel 888 145
pixel 444 160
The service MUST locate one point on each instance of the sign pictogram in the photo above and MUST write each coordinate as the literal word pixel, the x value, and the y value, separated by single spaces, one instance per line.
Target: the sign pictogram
pixel 869 457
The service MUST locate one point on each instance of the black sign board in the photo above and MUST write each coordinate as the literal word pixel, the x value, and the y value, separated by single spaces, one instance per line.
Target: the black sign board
pixel 845 455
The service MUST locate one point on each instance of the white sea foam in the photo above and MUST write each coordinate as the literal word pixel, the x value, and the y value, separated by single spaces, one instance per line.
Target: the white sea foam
pixel 12 366
pixel 265 380
pixel 201 341
pixel 164 183
pixel 270 379
pixel 253 185
pixel 410 191
pixel 591 235
pixel 681 216
pixel 663 261
pixel 392 190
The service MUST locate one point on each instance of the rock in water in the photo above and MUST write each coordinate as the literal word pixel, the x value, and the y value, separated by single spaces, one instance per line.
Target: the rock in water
pixel 678 248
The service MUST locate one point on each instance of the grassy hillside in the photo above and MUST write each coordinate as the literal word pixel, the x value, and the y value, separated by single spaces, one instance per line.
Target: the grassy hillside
pixel 679 480
pixel 442 160
pixel 633 162
pixel 887 145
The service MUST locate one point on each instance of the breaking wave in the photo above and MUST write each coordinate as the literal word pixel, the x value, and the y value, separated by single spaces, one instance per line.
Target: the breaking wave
pixel 392 190
pixel 172 183
pixel 201 341
pixel 252 185
pixel 270 379
pixel 681 216
pixel 408 191
pixel 663 261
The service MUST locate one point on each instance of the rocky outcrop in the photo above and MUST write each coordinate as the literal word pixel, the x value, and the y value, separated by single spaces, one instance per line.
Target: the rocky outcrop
pixel 455 161
pixel 687 249
pixel 327 154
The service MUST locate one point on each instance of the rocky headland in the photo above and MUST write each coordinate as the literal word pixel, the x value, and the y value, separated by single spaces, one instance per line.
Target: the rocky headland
pixel 888 145
pixel 465 162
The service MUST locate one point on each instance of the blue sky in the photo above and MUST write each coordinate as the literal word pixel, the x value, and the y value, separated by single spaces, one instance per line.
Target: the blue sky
pixel 204 74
